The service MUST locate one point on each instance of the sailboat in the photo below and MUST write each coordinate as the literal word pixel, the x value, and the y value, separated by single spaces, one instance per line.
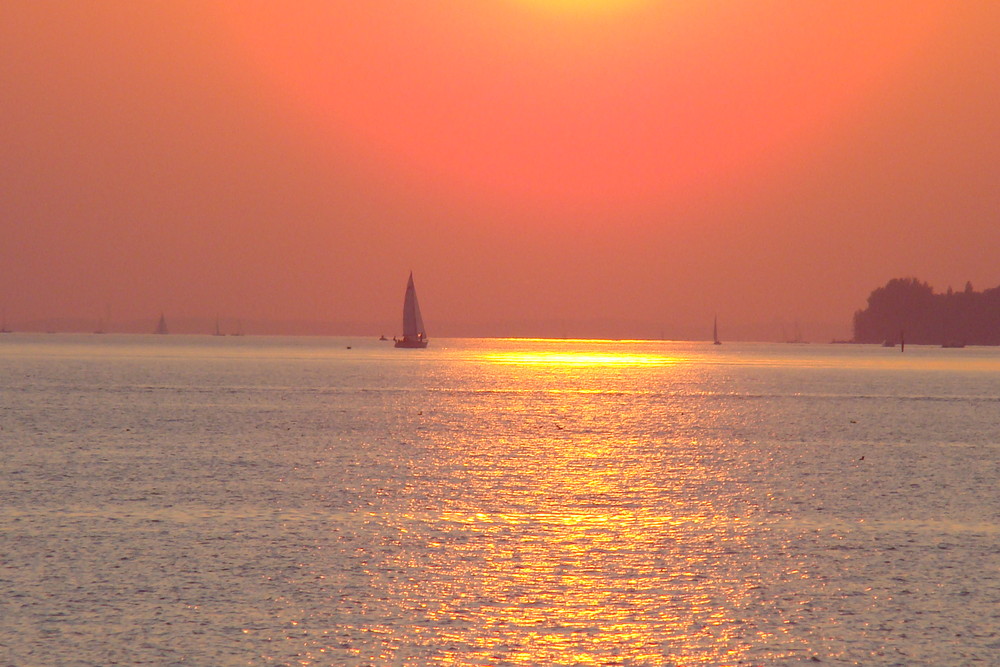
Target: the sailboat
pixel 161 327
pixel 715 332
pixel 413 325
pixel 798 334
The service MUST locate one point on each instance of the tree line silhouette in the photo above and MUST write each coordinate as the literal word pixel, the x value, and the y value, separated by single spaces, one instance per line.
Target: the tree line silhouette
pixel 906 309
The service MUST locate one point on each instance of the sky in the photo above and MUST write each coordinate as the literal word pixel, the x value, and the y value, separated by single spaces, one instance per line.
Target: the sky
pixel 624 169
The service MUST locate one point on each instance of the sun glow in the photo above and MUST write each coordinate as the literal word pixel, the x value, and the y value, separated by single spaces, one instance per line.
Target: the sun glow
pixel 521 102
pixel 580 7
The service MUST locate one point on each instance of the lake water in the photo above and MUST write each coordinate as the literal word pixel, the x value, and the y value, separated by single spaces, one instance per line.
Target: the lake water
pixel 264 501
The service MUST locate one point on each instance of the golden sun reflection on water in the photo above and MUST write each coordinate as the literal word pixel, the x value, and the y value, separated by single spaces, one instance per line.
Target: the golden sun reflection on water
pixel 579 359
pixel 595 354
pixel 577 543
pixel 567 589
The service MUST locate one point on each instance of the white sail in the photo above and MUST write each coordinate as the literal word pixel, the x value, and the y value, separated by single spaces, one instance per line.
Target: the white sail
pixel 413 324
pixel 414 334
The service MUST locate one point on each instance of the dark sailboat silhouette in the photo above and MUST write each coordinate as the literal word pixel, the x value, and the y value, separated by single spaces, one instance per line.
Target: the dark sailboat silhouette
pixel 414 334
pixel 715 332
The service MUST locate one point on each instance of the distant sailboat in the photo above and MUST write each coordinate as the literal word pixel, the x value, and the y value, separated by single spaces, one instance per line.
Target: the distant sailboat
pixel 218 331
pixel 413 325
pixel 715 332
pixel 161 327
pixel 104 322
pixel 798 335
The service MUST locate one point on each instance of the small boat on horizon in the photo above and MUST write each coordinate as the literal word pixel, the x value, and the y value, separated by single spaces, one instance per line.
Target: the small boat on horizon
pixel 715 331
pixel 161 327
pixel 414 335
pixel 797 339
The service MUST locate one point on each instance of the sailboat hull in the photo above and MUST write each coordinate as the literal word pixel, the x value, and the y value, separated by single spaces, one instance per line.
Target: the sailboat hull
pixel 406 342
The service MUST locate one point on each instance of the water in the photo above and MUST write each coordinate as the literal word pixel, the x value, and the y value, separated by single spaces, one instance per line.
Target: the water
pixel 263 501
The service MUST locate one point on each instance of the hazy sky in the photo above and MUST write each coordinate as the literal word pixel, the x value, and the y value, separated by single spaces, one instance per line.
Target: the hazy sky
pixel 544 167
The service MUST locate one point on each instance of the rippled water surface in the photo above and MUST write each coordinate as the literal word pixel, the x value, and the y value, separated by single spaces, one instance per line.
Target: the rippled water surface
pixel 256 501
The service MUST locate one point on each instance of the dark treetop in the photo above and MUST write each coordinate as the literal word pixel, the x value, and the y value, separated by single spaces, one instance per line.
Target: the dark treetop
pixel 909 309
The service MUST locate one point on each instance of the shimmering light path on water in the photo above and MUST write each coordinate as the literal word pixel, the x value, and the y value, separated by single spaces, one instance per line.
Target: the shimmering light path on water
pixel 291 501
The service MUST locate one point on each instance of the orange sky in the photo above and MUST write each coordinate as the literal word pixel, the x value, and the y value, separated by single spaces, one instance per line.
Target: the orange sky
pixel 626 169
